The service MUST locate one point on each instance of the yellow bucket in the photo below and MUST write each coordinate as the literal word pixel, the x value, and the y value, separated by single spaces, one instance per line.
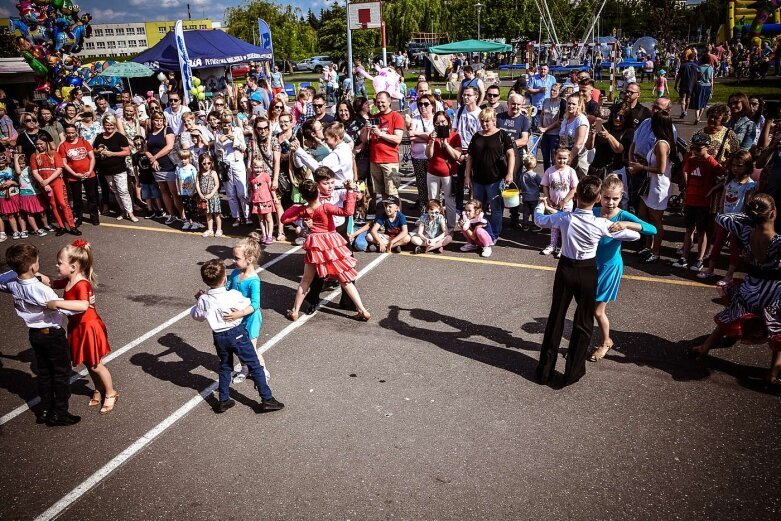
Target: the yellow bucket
pixel 511 196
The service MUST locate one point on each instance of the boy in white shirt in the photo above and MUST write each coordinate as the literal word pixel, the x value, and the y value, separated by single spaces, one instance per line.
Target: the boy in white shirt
pixel 576 276
pixel 47 334
pixel 223 310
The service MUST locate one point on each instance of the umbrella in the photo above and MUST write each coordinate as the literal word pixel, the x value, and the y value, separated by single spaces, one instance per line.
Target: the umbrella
pixel 127 70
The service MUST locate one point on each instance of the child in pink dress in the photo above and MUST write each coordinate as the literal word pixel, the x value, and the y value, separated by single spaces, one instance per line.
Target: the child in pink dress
pixel 261 202
pixel 327 253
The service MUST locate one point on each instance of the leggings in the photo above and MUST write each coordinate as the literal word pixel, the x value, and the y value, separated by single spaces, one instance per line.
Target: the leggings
pixel 58 200
pixel 482 237
pixel 419 166
pixel 734 247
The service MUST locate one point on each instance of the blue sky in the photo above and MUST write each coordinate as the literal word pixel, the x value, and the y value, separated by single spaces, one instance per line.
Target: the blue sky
pixel 116 11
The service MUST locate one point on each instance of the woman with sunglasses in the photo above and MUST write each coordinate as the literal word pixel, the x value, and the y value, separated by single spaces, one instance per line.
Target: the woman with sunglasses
pixel 573 133
pixel 420 127
pixel 130 127
pixel 267 149
pixel 611 142
pixel 739 122
pixel 159 142
pixel 277 109
pixel 230 147
pixel 443 155
pixel 154 107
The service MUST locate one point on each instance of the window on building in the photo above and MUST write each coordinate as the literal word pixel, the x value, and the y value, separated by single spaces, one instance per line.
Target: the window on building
pixel 130 30
pixel 98 32
pixel 121 43
pixel 100 45
pixel 142 43
pixel 112 45
pixel 161 30
pixel 131 43
pixel 90 45
pixel 109 32
pixel 120 32
pixel 141 30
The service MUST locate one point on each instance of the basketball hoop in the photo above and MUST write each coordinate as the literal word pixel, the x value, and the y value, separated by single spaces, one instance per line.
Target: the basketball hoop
pixel 365 15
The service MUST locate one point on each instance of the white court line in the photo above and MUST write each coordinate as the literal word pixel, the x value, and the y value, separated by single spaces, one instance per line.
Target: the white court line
pixel 127 347
pixel 60 506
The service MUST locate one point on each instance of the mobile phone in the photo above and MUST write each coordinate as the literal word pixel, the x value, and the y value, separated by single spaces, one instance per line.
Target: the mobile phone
pixel 375 122
pixel 772 109
pixel 598 125
pixel 442 131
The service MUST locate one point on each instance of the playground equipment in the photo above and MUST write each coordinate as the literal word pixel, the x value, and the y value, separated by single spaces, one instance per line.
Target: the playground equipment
pixel 746 19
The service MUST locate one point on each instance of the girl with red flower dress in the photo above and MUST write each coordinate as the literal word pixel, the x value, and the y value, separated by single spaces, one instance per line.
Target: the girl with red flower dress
pixel 87 335
pixel 327 253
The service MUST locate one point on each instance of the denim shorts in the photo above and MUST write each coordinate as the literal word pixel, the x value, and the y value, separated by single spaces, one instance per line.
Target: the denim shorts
pixel 161 176
pixel 149 191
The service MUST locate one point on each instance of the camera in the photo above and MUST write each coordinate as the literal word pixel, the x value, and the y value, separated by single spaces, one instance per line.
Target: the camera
pixel 442 131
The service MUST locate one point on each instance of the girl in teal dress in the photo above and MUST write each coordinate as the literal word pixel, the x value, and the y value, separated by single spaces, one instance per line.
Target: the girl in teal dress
pixel 610 264
pixel 244 279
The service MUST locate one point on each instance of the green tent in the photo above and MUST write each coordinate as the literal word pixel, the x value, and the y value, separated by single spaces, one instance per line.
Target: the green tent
pixel 468 46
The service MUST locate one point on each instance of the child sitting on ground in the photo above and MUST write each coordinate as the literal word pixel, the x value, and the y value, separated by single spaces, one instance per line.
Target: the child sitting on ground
pixel 432 229
pixel 558 184
pixel 395 224
pixel 476 229
pixel 230 336
pixel 531 183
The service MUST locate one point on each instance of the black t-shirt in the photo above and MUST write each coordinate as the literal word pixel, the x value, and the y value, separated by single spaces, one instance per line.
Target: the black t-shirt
pixel 146 173
pixel 27 142
pixel 110 165
pixel 515 127
pixel 687 77
pixel 155 143
pixel 353 129
pixel 604 155
pixel 638 114
pixel 488 156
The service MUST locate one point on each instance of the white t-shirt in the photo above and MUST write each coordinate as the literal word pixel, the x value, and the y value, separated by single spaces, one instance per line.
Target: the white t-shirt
pixel 559 183
pixel 419 125
pixel 174 119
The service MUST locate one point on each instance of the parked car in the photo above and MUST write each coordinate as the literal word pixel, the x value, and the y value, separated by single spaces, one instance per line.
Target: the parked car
pixel 314 64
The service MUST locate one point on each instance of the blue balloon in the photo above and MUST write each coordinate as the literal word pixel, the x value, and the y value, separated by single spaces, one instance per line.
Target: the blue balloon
pixel 74 81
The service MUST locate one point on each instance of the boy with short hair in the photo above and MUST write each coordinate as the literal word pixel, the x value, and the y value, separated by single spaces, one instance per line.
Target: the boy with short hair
pixel 230 337
pixel 395 224
pixel 530 186
pixel 47 334
pixel 576 276
pixel 700 173
pixel 150 193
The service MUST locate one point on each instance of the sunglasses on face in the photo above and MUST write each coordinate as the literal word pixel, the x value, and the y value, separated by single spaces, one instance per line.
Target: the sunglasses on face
pixel 278 107
pixel 261 128
pixel 173 101
pixel 491 95
pixel 425 104
pixel 206 163
pixel 318 105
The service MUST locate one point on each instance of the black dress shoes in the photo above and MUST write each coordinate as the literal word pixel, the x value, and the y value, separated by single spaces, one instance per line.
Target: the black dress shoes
pixel 62 420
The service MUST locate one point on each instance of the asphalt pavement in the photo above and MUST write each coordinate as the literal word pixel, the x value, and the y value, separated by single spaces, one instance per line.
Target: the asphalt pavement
pixel 428 411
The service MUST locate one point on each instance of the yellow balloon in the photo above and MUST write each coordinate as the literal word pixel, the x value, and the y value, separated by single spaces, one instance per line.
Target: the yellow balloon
pixel 201 88
pixel 66 92
pixel 756 41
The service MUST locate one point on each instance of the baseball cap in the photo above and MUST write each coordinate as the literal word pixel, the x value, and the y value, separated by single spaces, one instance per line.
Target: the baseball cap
pixel 701 139
pixel 255 96
pixel 437 92
pixel 392 199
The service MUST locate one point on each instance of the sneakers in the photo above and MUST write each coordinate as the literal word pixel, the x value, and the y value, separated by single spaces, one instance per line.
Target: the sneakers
pixel 133 219
pixel 218 233
pixel 40 232
pixel 224 406
pixel 186 226
pixel 682 263
pixel 3 237
pixel 239 378
pixel 697 266
pixel 270 405
pixel 397 249
pixel 24 234
pixel 207 233
pixel 196 226
pixel 16 236
pixel 268 240
pixel 486 252
pixel 150 215
pixel 468 247
pixel 120 217
pixel 50 228
pixel 159 215
pixel 299 241
pixel 547 250
pixel 557 253
pixel 650 259
pixel 645 252
pixel 418 250
pixel 170 219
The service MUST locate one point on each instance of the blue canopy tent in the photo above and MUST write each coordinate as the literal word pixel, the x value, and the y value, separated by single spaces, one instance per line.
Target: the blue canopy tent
pixel 209 48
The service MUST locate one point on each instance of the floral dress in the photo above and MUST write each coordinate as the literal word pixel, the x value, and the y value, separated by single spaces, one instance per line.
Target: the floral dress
pixel 206 184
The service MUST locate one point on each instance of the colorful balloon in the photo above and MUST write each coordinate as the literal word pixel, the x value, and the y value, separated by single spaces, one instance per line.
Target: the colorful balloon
pixel 196 81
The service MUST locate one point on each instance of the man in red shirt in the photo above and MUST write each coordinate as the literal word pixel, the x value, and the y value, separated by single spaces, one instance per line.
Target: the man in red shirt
pixel 78 164
pixel 384 141
pixel 700 173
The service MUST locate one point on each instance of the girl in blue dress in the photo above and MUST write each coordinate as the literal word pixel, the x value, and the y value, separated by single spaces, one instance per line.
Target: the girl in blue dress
pixel 244 279
pixel 610 264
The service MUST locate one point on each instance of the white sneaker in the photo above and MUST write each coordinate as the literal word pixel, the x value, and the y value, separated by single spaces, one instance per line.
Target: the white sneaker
pixel 237 368
pixel 468 247
pixel 207 233
pixel 239 377
pixel 486 252
pixel 170 219
pixel 3 236
pixel 120 217
pixel 218 233
pixel 196 226
pixel 557 253
pixel 186 226
pixel 547 250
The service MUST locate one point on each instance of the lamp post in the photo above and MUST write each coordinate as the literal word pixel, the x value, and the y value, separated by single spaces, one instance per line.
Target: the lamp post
pixel 478 6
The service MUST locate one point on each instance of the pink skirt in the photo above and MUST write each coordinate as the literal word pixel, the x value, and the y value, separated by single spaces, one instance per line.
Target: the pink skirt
pixel 31 204
pixel 331 257
pixel 9 205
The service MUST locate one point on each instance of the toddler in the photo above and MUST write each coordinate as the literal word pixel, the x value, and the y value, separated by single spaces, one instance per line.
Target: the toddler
pixel 558 184
pixel 30 203
pixel 661 84
pixel 530 192
pixel 9 202
pixel 261 202
pixel 222 309
pixel 476 229
pixel 207 187
pixel 432 229
pixel 185 186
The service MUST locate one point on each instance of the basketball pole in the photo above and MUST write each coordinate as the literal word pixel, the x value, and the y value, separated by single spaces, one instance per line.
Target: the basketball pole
pixel 350 51
pixel 384 45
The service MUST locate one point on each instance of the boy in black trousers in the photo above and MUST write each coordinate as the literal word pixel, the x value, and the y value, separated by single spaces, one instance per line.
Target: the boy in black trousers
pixel 576 276
pixel 47 335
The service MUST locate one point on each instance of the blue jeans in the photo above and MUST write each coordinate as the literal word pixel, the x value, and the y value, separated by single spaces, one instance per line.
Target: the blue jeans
pixel 548 145
pixel 236 341
pixel 490 196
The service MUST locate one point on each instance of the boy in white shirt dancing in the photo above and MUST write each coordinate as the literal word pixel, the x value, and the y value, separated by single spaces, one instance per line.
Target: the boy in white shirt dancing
pixel 230 337
pixel 576 276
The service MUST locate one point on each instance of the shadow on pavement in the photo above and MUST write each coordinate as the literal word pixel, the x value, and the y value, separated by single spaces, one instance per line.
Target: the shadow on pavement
pixel 507 357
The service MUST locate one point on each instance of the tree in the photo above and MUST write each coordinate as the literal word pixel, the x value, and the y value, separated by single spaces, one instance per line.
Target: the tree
pixel 333 36
pixel 293 39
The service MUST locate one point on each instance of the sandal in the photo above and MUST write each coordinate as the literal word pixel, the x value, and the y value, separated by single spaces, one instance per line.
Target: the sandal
pixel 705 274
pixel 281 237
pixel 726 281
pixel 94 402
pixel 363 316
pixel 292 315
pixel 106 407
pixel 600 352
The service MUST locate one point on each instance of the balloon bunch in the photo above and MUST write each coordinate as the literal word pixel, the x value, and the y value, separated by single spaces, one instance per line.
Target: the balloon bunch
pixel 48 34
pixel 198 91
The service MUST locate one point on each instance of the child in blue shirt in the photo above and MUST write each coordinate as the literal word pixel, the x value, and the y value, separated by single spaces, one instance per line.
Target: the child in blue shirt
pixel 531 183
pixel 395 225
pixel 186 176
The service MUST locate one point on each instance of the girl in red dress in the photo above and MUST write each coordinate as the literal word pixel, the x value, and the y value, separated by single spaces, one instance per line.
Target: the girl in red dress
pixel 327 253
pixel 87 335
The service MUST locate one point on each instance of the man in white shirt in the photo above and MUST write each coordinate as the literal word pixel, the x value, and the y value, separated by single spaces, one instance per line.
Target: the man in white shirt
pixel 46 332
pixel 224 311
pixel 576 276
pixel 174 112
pixel 340 160
pixel 466 124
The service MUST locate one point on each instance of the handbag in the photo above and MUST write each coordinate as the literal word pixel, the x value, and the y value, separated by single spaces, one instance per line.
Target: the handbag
pixel 223 170
pixel 645 187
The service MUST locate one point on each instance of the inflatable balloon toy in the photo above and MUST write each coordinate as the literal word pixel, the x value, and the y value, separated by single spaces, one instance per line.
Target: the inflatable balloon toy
pixel 387 79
